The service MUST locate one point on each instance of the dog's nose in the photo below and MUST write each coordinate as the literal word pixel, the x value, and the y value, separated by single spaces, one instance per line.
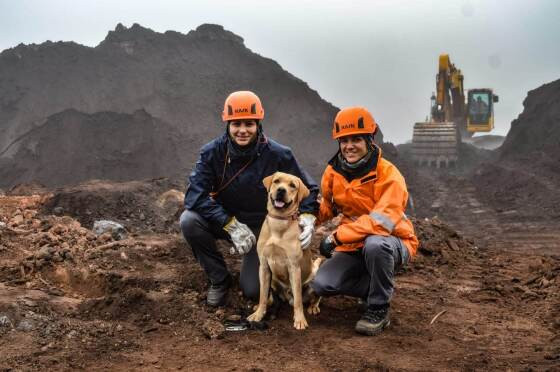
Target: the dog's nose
pixel 280 192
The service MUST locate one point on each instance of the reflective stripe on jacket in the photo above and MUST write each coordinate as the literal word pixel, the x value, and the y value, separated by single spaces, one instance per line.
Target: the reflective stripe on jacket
pixel 373 204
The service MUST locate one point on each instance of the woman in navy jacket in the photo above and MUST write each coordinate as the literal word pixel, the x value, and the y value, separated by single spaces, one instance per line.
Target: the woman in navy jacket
pixel 226 199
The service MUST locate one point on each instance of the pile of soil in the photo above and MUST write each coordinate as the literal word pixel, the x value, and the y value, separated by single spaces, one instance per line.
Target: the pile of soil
pixel 526 174
pixel 175 78
pixel 70 299
pixel 535 134
pixel 153 205
pixel 71 147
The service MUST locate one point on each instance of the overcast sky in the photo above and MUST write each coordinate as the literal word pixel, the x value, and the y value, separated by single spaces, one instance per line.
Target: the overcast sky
pixel 380 54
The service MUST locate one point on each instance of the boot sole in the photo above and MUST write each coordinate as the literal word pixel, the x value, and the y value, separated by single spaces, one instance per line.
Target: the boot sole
pixel 372 332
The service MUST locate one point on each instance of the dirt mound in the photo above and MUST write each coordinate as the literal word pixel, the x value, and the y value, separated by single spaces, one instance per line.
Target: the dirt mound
pixel 526 175
pixel 179 79
pixel 72 147
pixel 70 299
pixel 153 205
pixel 511 185
pixel 535 134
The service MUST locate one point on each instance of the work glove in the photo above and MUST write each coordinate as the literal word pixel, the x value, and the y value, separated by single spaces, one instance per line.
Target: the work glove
pixel 307 224
pixel 241 235
pixel 327 246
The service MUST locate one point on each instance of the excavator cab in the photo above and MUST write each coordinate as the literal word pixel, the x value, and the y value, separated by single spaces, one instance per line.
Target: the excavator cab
pixel 480 110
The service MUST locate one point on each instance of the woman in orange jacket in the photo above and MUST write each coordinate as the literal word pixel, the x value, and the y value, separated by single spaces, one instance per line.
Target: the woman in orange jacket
pixel 374 237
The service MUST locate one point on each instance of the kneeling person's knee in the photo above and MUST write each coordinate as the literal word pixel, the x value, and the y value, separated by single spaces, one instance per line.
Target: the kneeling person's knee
pixel 377 246
pixel 188 222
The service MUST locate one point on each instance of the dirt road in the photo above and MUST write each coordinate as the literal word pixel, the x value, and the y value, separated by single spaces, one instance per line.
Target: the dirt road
pixel 96 304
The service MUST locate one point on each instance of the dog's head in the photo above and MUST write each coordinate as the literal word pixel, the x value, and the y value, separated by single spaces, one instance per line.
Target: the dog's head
pixel 285 192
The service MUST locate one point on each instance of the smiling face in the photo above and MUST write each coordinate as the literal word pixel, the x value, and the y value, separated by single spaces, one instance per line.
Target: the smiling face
pixel 353 148
pixel 243 132
pixel 285 192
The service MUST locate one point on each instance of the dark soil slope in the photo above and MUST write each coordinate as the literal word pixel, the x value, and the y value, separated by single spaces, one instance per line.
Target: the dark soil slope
pixel 181 79
pixel 526 176
pixel 536 132
pixel 72 147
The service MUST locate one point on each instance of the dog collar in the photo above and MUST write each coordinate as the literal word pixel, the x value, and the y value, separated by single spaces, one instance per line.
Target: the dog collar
pixel 292 217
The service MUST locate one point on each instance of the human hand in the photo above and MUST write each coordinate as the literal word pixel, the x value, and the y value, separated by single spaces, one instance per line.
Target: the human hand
pixel 241 235
pixel 307 224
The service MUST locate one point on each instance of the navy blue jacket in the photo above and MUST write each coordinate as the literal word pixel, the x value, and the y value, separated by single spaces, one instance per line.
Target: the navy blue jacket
pixel 245 197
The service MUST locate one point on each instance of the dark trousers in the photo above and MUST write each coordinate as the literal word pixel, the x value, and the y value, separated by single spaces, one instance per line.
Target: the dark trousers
pixel 201 236
pixel 367 273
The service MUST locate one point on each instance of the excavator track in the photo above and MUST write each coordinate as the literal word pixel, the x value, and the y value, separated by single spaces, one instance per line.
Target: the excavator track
pixel 435 144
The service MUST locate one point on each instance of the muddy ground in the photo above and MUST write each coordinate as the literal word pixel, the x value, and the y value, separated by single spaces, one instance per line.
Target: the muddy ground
pixel 72 300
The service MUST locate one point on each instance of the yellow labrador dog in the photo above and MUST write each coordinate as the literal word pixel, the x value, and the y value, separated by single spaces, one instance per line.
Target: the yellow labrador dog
pixel 280 255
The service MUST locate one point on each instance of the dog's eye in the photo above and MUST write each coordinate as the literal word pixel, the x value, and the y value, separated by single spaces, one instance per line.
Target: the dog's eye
pixel 276 181
pixel 292 185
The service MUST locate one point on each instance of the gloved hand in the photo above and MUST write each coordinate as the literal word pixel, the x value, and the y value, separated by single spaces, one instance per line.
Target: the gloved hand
pixel 241 235
pixel 328 245
pixel 307 224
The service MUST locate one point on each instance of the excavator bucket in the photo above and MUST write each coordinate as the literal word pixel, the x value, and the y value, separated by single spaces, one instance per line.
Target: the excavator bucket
pixel 435 144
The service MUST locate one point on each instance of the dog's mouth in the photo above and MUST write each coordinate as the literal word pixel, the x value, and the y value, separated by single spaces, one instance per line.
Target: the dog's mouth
pixel 279 204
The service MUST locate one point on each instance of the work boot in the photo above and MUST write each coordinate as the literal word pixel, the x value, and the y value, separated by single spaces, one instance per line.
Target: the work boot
pixel 374 321
pixel 362 305
pixel 217 293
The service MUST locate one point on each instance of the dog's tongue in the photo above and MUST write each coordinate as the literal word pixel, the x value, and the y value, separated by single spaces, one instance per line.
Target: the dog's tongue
pixel 279 204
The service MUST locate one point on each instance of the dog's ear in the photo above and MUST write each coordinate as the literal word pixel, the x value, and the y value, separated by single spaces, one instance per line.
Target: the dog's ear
pixel 267 181
pixel 303 191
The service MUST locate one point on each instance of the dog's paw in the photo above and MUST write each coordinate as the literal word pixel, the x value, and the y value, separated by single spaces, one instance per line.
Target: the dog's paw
pixel 256 316
pixel 300 323
pixel 314 309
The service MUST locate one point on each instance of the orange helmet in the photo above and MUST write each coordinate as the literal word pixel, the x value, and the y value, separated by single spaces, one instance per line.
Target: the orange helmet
pixel 242 105
pixel 353 120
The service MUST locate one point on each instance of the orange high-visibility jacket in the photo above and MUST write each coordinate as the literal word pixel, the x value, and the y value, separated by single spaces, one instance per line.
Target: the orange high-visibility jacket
pixel 373 204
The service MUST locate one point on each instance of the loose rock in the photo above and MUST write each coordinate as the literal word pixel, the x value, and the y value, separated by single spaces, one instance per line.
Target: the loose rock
pixel 213 329
pixel 117 231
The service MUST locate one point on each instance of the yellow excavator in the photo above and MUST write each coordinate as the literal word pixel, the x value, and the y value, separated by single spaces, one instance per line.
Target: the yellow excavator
pixel 436 142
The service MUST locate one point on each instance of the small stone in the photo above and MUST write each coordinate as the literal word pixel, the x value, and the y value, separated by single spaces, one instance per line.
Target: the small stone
pixel 58 257
pixel 25 326
pixel 117 231
pixel 67 255
pixel 5 322
pixel 17 220
pixel 58 211
pixel 29 214
pixel 213 329
pixel 142 217
pixel 72 334
pixel 119 328
pixel 45 253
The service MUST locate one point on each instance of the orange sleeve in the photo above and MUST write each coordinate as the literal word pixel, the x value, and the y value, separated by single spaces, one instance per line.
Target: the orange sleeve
pixel 391 195
pixel 326 207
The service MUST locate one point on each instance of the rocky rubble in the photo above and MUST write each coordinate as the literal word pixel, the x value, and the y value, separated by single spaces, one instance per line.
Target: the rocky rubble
pixel 83 298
